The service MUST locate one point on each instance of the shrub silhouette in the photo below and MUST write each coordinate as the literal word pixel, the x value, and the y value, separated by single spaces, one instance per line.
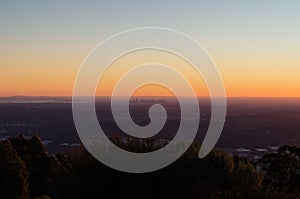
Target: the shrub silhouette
pixel 282 169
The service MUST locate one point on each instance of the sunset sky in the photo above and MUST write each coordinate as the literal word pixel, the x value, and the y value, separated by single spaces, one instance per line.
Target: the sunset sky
pixel 255 44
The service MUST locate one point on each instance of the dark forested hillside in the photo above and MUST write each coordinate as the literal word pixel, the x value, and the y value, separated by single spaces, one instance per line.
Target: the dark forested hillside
pixel 27 170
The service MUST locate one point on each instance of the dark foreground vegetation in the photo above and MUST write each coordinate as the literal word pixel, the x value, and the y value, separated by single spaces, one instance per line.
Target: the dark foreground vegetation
pixel 27 170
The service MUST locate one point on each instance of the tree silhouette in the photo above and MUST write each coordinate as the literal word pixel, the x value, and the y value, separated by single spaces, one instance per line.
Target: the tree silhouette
pixel 13 174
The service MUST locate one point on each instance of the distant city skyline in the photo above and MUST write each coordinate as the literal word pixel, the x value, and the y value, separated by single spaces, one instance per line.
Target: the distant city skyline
pixel 255 44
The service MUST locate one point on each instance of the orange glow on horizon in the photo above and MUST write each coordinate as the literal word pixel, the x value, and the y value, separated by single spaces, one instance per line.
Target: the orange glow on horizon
pixel 58 81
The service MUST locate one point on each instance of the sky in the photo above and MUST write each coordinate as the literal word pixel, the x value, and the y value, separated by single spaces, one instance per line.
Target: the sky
pixel 255 44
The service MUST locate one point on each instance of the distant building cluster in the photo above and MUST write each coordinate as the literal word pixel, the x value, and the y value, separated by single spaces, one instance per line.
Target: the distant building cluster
pixel 142 100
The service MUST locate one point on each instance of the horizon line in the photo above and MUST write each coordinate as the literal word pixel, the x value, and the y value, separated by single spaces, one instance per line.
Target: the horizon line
pixel 203 96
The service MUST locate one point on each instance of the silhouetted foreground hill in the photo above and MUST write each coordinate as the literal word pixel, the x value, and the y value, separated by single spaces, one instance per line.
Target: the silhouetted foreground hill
pixel 27 170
